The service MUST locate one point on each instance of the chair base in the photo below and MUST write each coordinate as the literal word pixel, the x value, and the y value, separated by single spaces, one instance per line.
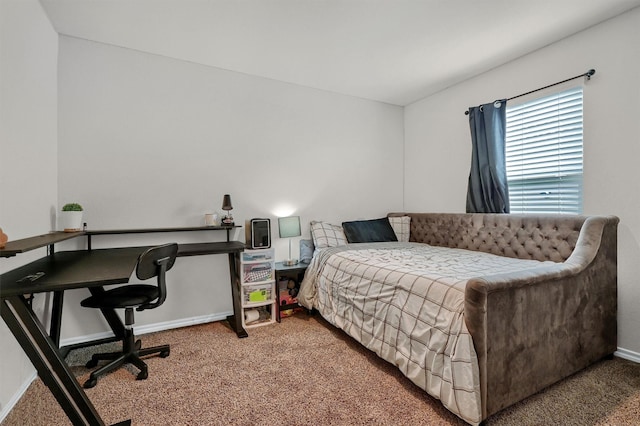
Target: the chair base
pixel 131 354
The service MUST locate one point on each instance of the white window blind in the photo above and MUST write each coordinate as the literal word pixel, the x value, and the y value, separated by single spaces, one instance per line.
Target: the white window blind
pixel 544 154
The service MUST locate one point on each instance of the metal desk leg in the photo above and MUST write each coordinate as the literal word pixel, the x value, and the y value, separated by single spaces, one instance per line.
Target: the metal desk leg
pixel 110 315
pixel 235 320
pixel 44 356
pixel 56 317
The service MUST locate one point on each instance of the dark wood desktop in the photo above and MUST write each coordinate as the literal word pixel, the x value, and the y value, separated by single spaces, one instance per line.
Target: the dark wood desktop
pixel 92 269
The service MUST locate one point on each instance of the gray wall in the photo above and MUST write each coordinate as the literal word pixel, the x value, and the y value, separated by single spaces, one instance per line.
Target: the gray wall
pixel 148 141
pixel 28 155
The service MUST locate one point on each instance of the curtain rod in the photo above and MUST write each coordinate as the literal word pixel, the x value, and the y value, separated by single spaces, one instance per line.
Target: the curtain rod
pixel 587 75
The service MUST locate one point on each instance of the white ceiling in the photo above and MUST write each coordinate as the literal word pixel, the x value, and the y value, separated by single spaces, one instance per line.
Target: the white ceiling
pixel 394 51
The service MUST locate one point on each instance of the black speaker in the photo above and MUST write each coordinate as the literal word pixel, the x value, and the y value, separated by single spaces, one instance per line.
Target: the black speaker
pixel 258 233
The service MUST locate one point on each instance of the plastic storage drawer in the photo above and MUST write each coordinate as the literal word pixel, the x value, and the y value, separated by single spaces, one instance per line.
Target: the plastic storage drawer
pixel 257 293
pixel 265 255
pixel 257 272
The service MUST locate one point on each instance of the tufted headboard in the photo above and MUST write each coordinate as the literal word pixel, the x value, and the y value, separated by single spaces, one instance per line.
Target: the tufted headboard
pixel 525 236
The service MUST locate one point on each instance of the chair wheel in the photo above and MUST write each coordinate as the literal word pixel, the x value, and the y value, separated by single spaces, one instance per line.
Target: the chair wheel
pixel 138 344
pixel 90 383
pixel 142 375
pixel 164 354
pixel 91 363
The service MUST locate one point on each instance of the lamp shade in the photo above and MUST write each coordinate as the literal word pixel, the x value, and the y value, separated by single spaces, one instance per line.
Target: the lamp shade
pixel 226 202
pixel 289 226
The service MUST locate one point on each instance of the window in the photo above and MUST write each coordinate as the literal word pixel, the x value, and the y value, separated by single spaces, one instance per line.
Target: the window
pixel 544 154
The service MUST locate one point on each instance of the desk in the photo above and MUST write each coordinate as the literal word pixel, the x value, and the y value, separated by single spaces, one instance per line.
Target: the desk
pixel 61 271
pixel 90 269
pixel 232 248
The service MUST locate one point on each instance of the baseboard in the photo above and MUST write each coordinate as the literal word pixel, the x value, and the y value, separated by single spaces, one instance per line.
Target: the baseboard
pixel 16 397
pixel 185 322
pixel 628 355
pixel 140 330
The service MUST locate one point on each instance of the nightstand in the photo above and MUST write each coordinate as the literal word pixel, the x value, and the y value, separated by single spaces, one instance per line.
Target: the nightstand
pixel 284 275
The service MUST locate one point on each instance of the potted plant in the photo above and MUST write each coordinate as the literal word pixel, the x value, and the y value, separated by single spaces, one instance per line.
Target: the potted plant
pixel 71 217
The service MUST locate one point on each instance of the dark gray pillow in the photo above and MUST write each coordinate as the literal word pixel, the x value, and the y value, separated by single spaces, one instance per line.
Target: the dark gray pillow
pixel 369 231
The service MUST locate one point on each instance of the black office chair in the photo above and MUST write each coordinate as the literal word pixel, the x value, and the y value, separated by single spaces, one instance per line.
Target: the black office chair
pixel 154 262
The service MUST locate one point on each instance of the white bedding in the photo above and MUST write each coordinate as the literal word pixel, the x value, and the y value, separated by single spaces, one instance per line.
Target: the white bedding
pixel 405 302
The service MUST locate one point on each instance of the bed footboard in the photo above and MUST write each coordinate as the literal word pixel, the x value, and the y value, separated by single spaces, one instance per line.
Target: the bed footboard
pixel 532 330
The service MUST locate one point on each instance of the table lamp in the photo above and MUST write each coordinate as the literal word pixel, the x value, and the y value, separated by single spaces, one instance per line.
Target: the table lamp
pixel 226 205
pixel 289 227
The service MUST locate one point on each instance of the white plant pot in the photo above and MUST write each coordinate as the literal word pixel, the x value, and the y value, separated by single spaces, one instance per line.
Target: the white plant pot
pixel 71 221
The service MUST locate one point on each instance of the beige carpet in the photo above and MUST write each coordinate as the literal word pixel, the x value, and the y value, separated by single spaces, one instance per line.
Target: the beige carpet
pixel 304 371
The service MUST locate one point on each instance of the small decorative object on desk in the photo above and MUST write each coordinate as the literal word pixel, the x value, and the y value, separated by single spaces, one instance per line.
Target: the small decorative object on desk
pixel 226 205
pixel 3 239
pixel 71 217
pixel 211 219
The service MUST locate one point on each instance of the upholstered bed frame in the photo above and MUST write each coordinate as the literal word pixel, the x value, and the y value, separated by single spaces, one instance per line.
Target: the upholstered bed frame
pixel 532 330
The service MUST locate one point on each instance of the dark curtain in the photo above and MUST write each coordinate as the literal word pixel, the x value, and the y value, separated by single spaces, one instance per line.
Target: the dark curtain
pixel 487 191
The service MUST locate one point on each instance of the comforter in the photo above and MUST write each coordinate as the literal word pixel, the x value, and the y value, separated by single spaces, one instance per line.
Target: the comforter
pixel 405 302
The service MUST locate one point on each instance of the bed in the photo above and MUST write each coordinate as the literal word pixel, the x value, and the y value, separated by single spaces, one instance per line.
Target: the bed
pixel 480 311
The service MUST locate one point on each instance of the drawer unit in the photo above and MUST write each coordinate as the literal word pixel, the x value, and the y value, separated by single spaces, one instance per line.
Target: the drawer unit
pixel 258 287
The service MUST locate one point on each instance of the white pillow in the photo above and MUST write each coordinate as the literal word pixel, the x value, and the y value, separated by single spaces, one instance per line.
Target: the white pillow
pixel 327 235
pixel 401 226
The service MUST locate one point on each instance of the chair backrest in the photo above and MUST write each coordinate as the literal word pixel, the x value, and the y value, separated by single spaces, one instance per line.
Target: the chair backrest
pixel 155 262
